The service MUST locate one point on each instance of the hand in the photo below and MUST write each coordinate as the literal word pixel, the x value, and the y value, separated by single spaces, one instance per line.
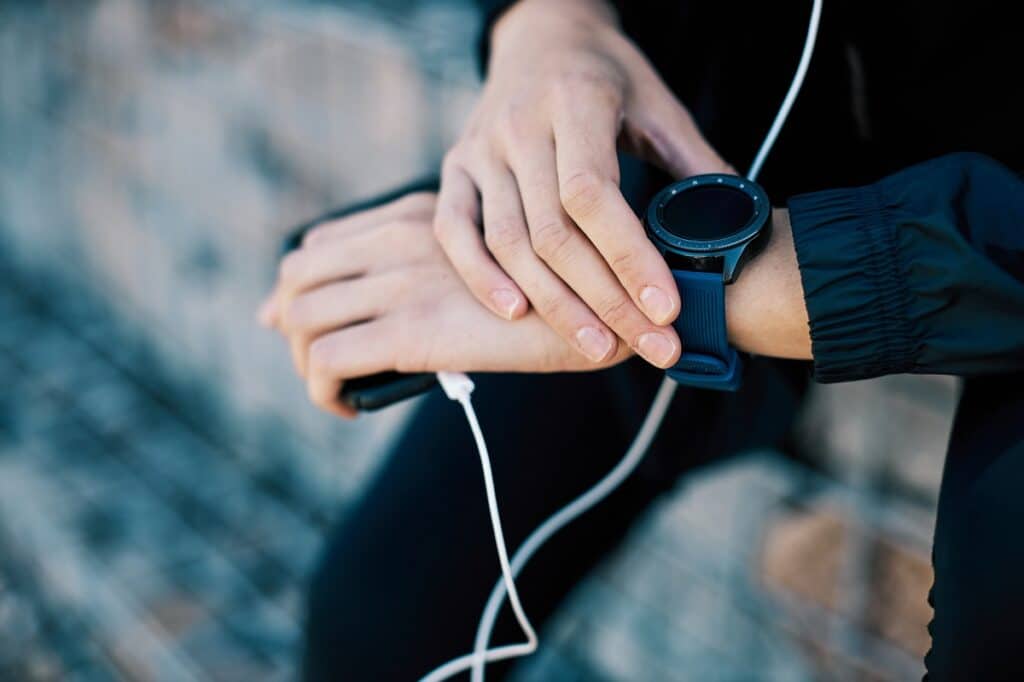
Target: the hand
pixel 374 292
pixel 564 86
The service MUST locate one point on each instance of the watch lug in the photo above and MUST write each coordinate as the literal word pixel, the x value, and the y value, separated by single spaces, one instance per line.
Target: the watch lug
pixel 731 263
pixel 734 259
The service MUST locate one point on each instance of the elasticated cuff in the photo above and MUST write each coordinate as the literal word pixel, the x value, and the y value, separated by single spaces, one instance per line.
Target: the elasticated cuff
pixel 857 299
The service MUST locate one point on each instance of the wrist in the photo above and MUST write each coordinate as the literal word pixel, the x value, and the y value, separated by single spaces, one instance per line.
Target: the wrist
pixel 525 17
pixel 765 310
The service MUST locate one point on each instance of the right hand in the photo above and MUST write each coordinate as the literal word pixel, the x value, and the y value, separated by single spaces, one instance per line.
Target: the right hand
pixel 564 86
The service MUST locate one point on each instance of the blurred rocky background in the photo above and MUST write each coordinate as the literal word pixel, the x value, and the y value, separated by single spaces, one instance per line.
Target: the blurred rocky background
pixel 164 485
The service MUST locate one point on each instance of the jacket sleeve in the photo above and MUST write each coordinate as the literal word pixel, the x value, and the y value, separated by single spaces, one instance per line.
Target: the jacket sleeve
pixel 922 272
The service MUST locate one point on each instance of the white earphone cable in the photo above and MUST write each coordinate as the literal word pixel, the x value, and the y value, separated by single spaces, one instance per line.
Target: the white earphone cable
pixel 458 387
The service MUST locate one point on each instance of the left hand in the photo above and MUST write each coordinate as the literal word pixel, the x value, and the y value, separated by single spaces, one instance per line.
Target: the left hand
pixel 374 292
pixel 530 205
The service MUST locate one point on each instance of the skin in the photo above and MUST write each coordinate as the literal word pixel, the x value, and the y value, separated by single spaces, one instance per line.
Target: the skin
pixel 529 258
pixel 375 292
pixel 530 212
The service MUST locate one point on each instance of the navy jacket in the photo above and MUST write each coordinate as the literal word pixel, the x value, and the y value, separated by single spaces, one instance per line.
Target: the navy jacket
pixel 899 164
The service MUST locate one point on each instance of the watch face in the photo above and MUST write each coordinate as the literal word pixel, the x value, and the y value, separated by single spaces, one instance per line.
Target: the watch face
pixel 707 213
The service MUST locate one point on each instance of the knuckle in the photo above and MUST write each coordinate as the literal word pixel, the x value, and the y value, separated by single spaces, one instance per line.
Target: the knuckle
pixel 321 356
pixel 550 239
pixel 452 160
pixel 316 396
pixel 513 124
pixel 504 236
pixel 296 315
pixel 615 311
pixel 551 308
pixel 473 146
pixel 400 232
pixel 446 229
pixel 623 263
pixel 291 266
pixel 440 228
pixel 418 202
pixel 452 214
pixel 582 192
pixel 592 79
pixel 573 78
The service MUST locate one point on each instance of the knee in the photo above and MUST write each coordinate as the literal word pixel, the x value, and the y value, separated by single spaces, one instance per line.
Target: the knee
pixel 338 628
pixel 322 632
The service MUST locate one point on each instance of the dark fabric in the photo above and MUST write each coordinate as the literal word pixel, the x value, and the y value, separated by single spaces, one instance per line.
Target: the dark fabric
pixel 403 580
pixel 921 272
pixel 978 554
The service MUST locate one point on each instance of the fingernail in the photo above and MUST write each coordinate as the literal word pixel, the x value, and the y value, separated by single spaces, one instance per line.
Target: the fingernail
pixel 594 343
pixel 506 301
pixel 656 348
pixel 657 305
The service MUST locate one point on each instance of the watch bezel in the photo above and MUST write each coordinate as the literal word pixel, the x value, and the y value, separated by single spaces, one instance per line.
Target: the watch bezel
pixel 703 248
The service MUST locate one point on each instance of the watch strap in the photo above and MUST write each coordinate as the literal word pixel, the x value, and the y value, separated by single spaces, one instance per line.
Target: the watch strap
pixel 707 361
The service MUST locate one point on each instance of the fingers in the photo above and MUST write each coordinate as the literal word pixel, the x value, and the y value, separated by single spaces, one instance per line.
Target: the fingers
pixel 355 351
pixel 456 226
pixel 660 129
pixel 330 307
pixel 343 257
pixel 588 177
pixel 299 269
pixel 333 306
pixel 571 256
pixel 316 322
pixel 508 239
pixel 341 304
pixel 306 268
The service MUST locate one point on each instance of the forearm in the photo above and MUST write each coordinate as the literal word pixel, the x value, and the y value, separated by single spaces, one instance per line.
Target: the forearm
pixel 764 307
pixel 527 25
pixel 586 12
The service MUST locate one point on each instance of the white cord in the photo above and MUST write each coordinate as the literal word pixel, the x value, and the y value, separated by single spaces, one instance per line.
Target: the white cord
pixel 538 537
pixel 458 387
pixel 794 90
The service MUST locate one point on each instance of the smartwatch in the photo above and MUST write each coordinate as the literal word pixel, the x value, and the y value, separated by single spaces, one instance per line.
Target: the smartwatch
pixel 707 227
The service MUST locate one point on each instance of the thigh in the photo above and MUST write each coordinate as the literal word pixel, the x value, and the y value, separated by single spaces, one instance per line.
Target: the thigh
pixel 404 578
pixel 978 556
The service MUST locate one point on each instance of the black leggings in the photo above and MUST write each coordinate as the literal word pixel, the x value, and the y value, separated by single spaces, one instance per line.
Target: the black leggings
pixel 401 585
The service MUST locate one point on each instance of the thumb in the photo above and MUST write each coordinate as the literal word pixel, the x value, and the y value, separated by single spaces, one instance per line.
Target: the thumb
pixel 659 129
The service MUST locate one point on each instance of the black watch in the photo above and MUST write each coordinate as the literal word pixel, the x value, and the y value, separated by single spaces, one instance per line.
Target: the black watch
pixel 707 227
